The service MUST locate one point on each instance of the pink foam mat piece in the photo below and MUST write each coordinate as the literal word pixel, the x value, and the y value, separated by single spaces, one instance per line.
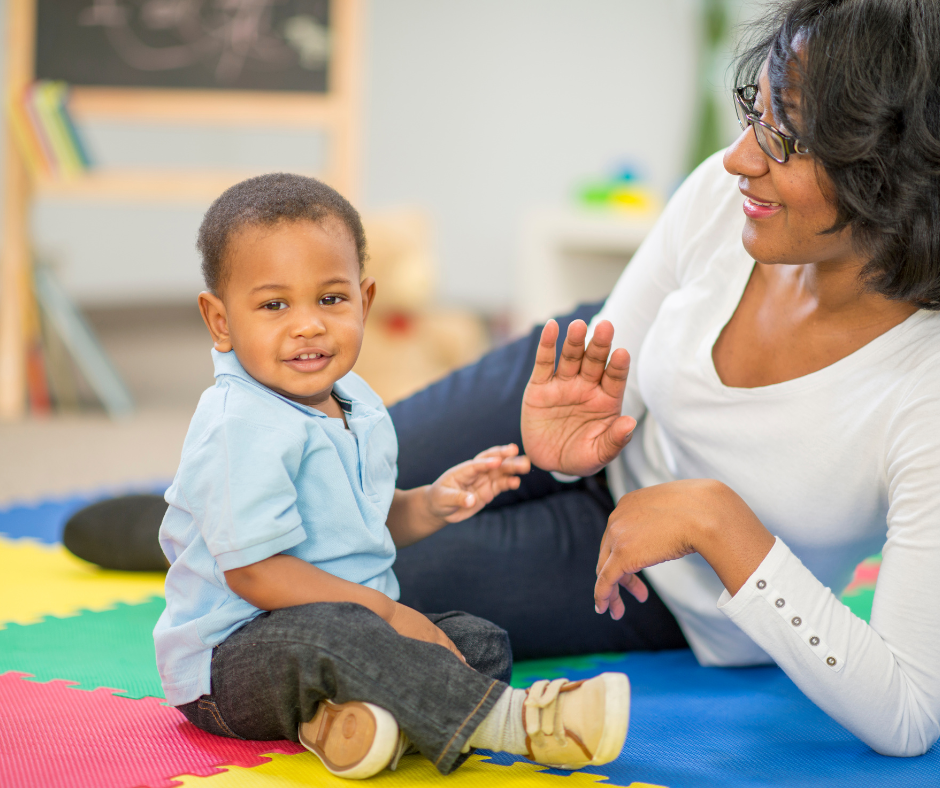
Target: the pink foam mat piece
pixel 52 736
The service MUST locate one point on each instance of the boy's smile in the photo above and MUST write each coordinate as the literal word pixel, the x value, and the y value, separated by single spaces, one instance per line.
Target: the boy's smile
pixel 292 307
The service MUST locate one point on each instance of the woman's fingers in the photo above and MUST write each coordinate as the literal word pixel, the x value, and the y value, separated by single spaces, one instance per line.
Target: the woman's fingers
pixel 611 575
pixel 545 355
pixel 607 585
pixel 617 608
pixel 572 351
pixel 598 349
pixel 614 380
pixel 614 438
pixel 635 586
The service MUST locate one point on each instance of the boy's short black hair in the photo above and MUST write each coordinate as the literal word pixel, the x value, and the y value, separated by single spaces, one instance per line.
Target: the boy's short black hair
pixel 267 200
pixel 866 76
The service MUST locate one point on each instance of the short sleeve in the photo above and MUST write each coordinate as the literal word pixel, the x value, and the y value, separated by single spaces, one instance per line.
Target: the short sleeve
pixel 238 483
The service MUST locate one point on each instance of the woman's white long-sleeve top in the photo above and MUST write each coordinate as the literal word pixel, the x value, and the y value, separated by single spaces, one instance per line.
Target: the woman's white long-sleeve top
pixel 838 465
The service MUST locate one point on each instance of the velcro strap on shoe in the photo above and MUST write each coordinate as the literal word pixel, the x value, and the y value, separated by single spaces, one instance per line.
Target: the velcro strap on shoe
pixel 538 716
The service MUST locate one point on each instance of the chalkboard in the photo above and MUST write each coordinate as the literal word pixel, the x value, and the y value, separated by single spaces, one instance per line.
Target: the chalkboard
pixel 264 45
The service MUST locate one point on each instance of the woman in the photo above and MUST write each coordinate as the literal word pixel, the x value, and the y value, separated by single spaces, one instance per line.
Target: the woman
pixel 785 407
pixel 785 394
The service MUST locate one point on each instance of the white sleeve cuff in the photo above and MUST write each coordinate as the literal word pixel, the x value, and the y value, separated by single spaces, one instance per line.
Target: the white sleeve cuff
pixel 774 588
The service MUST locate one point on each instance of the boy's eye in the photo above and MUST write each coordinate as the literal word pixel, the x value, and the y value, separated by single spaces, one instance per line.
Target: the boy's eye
pixel 330 300
pixel 274 305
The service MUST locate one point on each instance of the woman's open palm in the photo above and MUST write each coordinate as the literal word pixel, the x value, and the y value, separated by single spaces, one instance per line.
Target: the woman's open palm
pixel 571 418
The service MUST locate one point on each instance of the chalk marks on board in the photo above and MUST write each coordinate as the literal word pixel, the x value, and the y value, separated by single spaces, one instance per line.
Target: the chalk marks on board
pixel 214 44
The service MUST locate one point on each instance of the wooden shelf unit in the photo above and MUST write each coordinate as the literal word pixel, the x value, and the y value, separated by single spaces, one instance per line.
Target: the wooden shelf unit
pixel 337 113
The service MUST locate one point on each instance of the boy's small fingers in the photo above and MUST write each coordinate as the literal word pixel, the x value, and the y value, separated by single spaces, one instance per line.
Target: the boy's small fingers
pixel 452 496
pixel 467 472
pixel 517 465
pixel 502 452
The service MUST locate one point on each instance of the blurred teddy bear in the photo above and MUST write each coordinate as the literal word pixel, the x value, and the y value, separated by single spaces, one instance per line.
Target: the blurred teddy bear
pixel 408 342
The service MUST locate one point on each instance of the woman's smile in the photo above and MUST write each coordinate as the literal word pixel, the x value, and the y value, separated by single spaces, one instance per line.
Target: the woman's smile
pixel 759 209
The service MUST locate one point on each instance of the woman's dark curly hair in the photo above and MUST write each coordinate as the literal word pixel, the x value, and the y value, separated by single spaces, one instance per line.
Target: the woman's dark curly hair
pixel 267 200
pixel 863 77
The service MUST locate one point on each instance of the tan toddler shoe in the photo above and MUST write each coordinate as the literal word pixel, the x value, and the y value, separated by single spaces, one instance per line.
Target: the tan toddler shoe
pixel 354 740
pixel 573 724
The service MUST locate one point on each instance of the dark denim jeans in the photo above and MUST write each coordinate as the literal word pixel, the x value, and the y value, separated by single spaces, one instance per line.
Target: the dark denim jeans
pixel 527 561
pixel 268 676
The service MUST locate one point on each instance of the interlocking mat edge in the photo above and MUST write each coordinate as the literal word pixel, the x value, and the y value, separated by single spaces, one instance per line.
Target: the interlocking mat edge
pixel 80 701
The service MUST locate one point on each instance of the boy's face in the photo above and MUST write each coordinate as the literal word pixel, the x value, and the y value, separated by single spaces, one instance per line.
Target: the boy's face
pixel 292 306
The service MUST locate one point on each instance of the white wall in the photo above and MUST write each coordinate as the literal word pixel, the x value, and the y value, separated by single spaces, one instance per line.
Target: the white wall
pixel 476 110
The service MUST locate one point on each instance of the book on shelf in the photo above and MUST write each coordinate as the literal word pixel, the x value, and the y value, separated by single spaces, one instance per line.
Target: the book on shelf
pixel 25 136
pixel 45 131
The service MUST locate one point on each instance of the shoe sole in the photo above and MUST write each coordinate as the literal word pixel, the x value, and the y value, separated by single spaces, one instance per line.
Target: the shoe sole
pixel 354 740
pixel 616 718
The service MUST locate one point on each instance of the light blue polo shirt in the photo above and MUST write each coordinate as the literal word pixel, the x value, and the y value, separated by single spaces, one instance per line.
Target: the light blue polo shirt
pixel 262 475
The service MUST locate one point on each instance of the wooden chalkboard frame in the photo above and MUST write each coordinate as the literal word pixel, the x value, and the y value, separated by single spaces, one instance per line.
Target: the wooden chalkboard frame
pixel 335 112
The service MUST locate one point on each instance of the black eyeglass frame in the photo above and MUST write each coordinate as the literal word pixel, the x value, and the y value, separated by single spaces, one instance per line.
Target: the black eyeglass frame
pixel 744 98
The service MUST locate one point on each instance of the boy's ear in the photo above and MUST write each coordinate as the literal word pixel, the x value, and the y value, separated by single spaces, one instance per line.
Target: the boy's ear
pixel 213 314
pixel 367 289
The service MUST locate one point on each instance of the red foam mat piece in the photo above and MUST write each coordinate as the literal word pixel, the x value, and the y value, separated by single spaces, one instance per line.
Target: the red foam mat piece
pixel 52 736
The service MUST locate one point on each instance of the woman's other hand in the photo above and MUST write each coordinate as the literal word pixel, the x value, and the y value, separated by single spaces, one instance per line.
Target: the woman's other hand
pixel 571 418
pixel 465 489
pixel 668 521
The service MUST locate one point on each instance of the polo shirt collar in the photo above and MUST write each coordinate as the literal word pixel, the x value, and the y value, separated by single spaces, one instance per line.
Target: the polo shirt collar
pixel 228 364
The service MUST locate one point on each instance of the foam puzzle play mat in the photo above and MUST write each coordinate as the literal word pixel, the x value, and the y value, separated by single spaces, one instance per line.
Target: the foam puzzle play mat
pixel 81 703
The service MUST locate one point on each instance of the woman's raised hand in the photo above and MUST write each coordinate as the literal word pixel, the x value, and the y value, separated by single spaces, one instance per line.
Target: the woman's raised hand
pixel 571 418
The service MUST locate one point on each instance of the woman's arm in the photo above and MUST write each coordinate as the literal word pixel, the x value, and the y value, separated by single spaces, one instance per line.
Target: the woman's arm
pixel 668 521
pixel 879 680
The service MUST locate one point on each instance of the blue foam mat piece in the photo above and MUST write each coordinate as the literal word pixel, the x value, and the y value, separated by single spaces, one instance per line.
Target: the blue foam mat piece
pixel 44 520
pixel 695 727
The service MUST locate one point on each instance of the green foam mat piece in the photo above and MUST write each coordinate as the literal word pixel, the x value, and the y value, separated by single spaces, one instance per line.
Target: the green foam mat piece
pixel 524 673
pixel 860 602
pixel 113 648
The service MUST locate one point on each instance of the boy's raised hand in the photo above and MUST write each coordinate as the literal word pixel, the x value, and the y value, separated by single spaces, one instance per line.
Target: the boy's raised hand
pixel 466 488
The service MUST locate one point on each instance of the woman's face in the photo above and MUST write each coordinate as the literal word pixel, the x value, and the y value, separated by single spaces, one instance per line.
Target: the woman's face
pixel 786 205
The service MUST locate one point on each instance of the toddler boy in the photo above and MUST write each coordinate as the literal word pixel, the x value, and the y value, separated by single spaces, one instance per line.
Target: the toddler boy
pixel 281 619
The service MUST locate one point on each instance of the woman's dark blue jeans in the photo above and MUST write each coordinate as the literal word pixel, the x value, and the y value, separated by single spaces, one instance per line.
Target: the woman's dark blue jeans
pixel 526 562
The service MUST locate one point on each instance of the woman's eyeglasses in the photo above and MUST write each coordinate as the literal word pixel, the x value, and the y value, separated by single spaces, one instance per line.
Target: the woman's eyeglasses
pixel 773 142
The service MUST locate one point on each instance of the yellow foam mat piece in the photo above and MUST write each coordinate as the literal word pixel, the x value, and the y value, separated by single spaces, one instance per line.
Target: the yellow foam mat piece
pixel 38 580
pixel 305 769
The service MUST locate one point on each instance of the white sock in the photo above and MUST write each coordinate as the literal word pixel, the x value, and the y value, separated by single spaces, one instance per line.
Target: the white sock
pixel 501 729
